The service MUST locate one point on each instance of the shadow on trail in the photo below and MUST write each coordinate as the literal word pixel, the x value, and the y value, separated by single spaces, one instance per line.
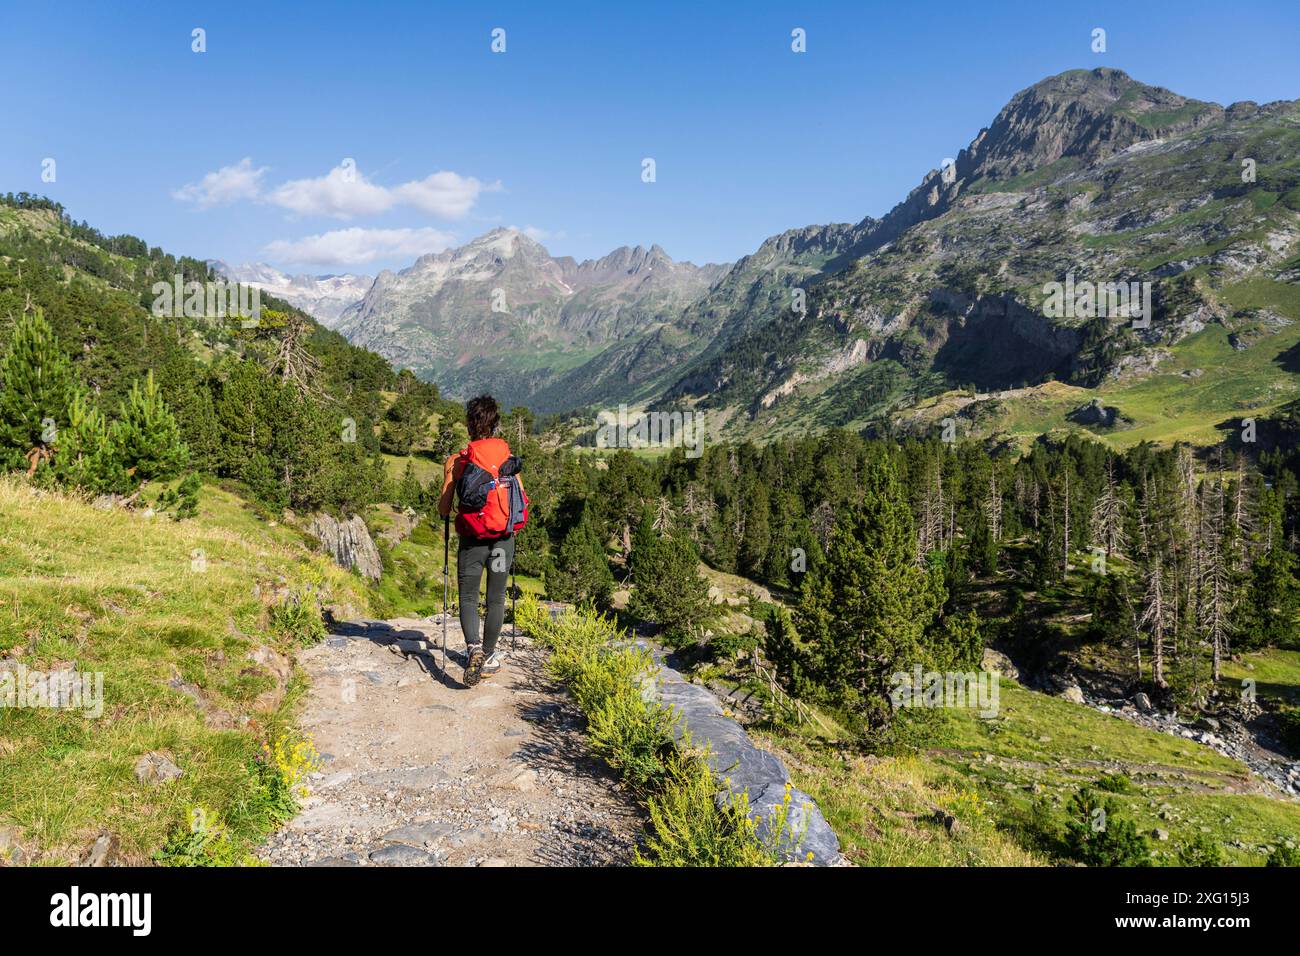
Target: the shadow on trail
pixel 421 645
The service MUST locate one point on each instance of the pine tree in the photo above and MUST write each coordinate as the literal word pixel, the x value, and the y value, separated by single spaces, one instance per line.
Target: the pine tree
pixel 147 436
pixel 291 359
pixel 37 388
pixel 446 438
pixel 580 572
pixel 87 456
pixel 187 505
pixel 864 611
pixel 757 540
pixel 1158 616
pixel 1214 604
pixel 1266 613
pixel 1108 515
pixel 643 539
pixel 669 589
pixel 409 492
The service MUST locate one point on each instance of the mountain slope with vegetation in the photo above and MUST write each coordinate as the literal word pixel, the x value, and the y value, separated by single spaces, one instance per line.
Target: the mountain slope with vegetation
pixel 1090 175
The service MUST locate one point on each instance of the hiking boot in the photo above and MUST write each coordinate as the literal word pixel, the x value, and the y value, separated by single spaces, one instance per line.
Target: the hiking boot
pixel 492 665
pixel 473 665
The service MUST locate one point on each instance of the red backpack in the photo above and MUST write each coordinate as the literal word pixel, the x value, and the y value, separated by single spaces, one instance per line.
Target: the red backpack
pixel 492 503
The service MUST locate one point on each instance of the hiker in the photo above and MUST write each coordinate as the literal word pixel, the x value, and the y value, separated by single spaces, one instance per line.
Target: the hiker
pixel 491 508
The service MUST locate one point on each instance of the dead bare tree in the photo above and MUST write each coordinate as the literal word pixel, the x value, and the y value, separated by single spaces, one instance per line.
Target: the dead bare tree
pixel 993 507
pixel 291 359
pixel 1107 520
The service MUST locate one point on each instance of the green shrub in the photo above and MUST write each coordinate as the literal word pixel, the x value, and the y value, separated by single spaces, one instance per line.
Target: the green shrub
pixel 1201 850
pixel 1284 856
pixel 206 841
pixel 296 619
pixel 1114 783
pixel 727 646
pixel 688 827
pixel 1097 835
pixel 632 736
pixel 281 769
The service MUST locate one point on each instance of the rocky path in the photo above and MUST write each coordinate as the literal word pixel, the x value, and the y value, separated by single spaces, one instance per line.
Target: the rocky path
pixel 419 770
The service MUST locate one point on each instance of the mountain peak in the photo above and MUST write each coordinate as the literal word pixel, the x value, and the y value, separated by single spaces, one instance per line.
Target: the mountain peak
pixel 1084 114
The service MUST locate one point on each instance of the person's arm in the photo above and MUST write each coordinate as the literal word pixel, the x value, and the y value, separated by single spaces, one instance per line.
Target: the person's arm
pixel 448 486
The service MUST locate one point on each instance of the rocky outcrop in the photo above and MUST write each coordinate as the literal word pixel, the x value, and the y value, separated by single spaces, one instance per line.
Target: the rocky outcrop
pixel 157 767
pixel 1094 414
pixel 400 528
pixel 348 543
pixel 995 662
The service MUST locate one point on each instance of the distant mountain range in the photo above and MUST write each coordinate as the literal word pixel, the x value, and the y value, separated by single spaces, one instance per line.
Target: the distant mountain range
pixel 501 314
pixel 1088 175
pixel 324 298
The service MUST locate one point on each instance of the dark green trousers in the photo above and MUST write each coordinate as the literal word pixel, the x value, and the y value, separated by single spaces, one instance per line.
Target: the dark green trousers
pixel 472 559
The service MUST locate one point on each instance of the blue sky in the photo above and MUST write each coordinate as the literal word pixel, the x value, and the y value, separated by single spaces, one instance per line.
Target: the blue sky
pixel 450 140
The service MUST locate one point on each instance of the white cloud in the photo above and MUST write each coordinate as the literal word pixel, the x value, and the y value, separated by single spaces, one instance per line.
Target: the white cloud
pixel 342 193
pixel 446 195
pixel 356 246
pixel 228 184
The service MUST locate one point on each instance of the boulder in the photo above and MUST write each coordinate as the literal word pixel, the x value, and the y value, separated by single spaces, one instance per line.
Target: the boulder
pixel 403 524
pixel 1095 414
pixel 1073 693
pixel 156 767
pixel 1143 703
pixel 995 662
pixel 399 854
pixel 348 543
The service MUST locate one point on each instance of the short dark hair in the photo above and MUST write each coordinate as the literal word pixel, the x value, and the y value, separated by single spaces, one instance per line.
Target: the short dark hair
pixel 482 417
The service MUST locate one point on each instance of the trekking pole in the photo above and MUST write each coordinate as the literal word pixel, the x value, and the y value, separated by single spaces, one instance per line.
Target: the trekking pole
pixel 514 621
pixel 446 564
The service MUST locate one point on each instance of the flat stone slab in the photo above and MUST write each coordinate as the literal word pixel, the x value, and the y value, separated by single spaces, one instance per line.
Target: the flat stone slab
pixel 419 834
pixel 740 765
pixel 408 778
pixel 399 854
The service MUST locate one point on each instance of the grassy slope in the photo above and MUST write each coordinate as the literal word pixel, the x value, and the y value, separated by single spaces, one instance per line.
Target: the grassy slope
pixel 115 592
pixel 989 772
pixel 1276 673
pixel 1166 407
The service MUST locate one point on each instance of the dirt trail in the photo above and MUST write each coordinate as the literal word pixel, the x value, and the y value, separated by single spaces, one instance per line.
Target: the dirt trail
pixel 419 770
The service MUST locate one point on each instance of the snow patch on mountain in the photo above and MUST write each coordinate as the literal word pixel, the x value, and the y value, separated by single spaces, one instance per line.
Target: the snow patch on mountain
pixel 325 298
